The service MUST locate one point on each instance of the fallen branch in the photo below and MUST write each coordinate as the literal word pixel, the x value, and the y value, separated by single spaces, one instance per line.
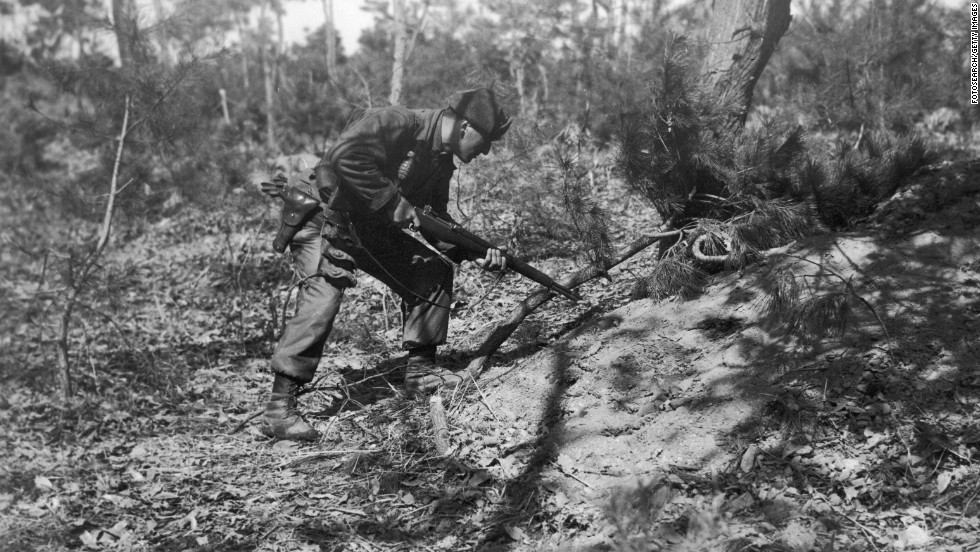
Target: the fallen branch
pixel 320 455
pixel 504 329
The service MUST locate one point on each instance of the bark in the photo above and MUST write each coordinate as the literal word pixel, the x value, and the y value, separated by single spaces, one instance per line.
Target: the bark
pixel 399 57
pixel 742 35
pixel 505 328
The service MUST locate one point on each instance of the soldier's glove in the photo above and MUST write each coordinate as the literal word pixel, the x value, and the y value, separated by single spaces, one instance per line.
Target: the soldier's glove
pixel 276 187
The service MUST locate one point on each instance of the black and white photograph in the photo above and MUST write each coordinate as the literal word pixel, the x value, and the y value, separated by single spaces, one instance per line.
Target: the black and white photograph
pixel 490 275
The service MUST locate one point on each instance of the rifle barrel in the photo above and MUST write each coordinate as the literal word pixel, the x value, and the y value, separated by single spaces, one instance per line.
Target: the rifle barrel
pixel 453 233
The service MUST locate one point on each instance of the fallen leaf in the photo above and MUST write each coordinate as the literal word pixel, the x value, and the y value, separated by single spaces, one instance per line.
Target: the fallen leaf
pixel 447 543
pixel 89 539
pixel 593 349
pixel 515 533
pixel 119 528
pixel 748 458
pixel 797 450
pixel 943 481
pixel 566 464
pixel 43 483
pixel 914 537
pixel 478 478
pixel 798 537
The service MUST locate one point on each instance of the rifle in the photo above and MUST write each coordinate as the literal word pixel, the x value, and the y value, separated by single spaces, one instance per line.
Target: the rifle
pixel 299 207
pixel 450 232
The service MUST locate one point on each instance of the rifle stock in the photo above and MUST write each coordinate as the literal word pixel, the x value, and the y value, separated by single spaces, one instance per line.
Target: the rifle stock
pixel 455 234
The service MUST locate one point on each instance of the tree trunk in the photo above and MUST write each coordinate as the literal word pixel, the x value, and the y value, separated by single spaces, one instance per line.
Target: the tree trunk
pixel 742 35
pixel 268 56
pixel 516 62
pixel 124 25
pixel 243 57
pixel 270 98
pixel 398 59
pixel 620 14
pixel 331 37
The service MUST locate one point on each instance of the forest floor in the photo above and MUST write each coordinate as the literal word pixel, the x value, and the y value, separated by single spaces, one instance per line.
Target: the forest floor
pixel 693 424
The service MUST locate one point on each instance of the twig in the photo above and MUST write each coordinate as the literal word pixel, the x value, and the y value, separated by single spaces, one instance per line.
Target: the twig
pixel 572 475
pixel 966 507
pixel 483 398
pixel 321 454
pixel 245 422
pixel 871 536
pixel 347 511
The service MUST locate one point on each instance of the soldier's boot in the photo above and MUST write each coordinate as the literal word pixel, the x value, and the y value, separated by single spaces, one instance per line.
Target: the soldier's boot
pixel 282 418
pixel 424 375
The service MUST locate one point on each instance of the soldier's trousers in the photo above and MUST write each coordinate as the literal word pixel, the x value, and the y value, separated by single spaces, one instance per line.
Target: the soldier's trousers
pixel 421 277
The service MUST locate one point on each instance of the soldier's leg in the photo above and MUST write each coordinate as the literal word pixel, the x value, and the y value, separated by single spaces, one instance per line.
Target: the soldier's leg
pixel 424 280
pixel 421 277
pixel 298 352
pixel 317 303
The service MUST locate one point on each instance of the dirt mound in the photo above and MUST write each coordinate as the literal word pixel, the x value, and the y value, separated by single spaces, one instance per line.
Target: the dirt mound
pixel 690 388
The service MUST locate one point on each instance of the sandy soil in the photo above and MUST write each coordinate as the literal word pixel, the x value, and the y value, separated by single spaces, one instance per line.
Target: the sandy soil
pixel 655 388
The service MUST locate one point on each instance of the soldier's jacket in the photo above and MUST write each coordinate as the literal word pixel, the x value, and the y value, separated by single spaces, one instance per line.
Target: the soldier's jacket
pixel 366 159
pixel 367 169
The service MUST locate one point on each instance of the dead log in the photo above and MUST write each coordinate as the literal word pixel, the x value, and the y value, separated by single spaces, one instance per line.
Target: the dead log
pixel 504 329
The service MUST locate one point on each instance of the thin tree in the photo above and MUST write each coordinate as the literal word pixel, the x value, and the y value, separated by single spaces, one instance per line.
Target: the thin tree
pixel 331 39
pixel 127 99
pixel 399 57
pixel 80 281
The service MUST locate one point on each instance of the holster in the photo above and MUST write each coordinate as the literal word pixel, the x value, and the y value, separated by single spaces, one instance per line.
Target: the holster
pixel 297 209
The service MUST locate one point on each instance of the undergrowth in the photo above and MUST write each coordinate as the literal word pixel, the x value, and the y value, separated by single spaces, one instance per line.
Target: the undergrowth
pixel 737 193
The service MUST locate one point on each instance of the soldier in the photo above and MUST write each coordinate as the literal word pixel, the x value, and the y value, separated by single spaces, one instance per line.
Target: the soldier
pixel 383 165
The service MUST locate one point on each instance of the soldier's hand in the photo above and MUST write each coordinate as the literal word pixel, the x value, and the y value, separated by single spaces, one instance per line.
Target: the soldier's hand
pixel 494 260
pixel 402 214
pixel 276 187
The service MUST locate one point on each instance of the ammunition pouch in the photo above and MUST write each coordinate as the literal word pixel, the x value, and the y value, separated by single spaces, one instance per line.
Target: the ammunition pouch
pixel 298 208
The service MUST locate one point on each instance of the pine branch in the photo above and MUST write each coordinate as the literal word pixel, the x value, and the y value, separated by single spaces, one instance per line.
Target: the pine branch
pixel 822 310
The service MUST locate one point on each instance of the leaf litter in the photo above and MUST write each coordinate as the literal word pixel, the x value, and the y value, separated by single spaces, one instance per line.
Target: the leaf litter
pixel 646 426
